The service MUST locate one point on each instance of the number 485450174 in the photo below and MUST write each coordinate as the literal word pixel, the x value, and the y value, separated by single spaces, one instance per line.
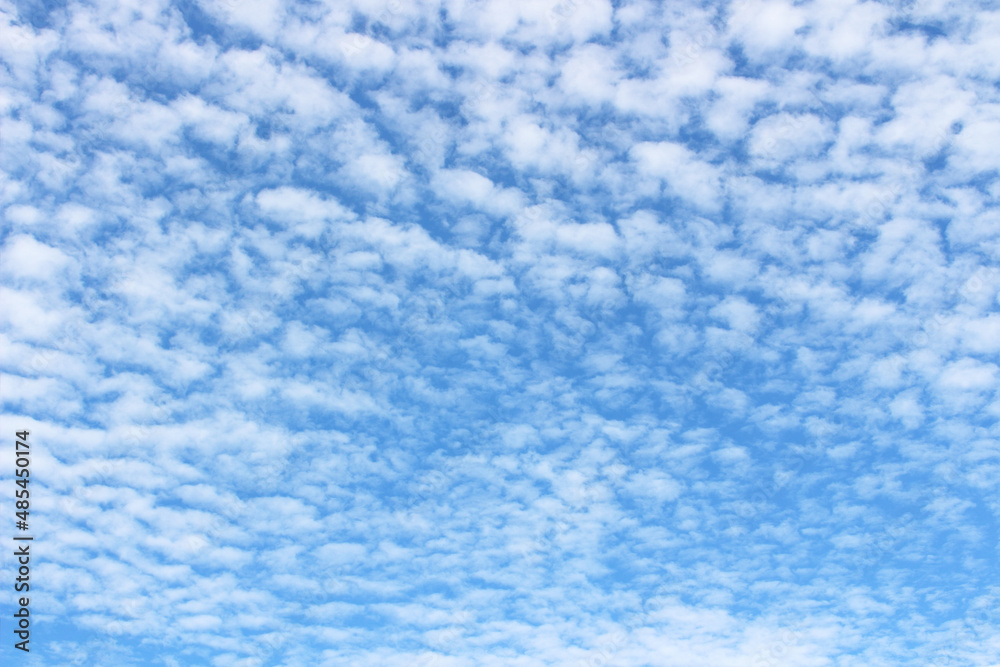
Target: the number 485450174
pixel 23 474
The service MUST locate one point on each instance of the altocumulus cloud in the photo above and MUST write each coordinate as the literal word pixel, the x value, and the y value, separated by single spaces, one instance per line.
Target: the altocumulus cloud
pixel 554 333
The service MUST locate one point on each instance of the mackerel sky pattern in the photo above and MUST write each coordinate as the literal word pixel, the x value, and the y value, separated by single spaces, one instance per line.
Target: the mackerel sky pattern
pixel 520 334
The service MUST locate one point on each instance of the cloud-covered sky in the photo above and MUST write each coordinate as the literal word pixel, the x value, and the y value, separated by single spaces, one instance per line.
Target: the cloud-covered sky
pixel 493 333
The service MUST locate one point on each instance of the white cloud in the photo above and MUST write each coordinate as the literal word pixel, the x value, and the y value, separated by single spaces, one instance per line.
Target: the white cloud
pixel 528 329
pixel 737 313
pixel 765 26
pixel 967 375
pixel 306 212
pixel 781 137
pixel 685 175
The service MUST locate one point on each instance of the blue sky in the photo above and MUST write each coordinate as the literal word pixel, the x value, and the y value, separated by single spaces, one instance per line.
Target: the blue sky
pixel 505 334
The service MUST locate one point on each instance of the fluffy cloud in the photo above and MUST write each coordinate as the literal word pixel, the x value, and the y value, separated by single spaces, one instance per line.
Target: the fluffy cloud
pixel 564 333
